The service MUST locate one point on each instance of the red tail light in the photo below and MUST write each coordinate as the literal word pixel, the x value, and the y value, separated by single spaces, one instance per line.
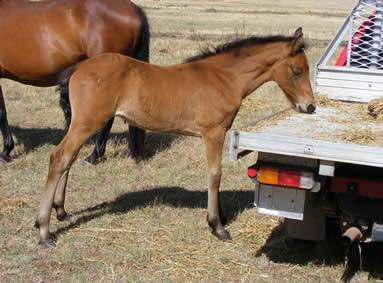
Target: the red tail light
pixel 251 172
pixel 289 178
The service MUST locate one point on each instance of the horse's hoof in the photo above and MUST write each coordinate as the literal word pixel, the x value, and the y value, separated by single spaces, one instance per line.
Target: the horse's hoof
pixel 5 159
pixel 65 217
pixel 137 157
pixel 86 163
pixel 48 244
pixel 222 235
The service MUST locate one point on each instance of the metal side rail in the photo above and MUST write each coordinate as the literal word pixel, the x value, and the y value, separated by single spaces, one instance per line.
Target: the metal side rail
pixel 301 147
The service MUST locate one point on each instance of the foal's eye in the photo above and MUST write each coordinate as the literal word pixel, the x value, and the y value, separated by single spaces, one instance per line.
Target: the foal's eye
pixel 297 73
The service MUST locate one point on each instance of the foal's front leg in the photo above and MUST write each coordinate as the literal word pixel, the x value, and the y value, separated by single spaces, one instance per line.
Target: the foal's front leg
pixel 7 137
pixel 214 139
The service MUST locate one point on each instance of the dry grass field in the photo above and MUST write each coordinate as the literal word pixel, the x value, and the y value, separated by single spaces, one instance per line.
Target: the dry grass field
pixel 146 222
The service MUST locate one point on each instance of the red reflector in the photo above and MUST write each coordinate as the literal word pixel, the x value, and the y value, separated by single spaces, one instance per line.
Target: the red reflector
pixel 289 178
pixel 251 172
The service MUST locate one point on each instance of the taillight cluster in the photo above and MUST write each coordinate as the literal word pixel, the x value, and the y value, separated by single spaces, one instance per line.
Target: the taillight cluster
pixel 282 177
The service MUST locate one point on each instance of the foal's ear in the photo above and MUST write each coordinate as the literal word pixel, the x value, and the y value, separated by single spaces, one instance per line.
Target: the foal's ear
pixel 298 32
pixel 297 43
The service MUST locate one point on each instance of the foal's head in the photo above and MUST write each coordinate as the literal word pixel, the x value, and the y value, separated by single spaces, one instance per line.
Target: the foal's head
pixel 292 74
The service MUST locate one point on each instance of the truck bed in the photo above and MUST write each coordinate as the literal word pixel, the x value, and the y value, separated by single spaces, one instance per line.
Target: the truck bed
pixel 339 131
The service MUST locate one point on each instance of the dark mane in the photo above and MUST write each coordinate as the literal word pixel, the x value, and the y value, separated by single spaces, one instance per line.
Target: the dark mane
pixel 229 46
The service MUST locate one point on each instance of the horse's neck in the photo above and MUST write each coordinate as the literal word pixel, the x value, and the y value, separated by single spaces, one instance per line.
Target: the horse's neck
pixel 252 68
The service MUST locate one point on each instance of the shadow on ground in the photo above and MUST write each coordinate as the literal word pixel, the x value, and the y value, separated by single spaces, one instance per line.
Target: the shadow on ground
pixel 278 248
pixel 32 138
pixel 281 249
pixel 233 202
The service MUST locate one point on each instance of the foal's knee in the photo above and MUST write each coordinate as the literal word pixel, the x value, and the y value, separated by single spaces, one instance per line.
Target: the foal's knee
pixel 215 176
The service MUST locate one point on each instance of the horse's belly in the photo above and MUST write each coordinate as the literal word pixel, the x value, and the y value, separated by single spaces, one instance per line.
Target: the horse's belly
pixel 30 78
pixel 149 122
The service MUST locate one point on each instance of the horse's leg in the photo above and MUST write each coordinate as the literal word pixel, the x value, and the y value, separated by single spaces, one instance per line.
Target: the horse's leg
pixel 99 148
pixel 214 139
pixel 7 137
pixel 61 160
pixel 59 198
pixel 65 103
pixel 136 143
pixel 136 139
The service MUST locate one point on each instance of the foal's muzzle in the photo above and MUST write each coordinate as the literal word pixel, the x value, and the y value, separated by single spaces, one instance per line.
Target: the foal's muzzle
pixel 310 108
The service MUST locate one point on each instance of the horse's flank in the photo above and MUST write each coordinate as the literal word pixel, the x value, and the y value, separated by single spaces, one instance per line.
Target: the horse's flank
pixel 40 39
pixel 39 51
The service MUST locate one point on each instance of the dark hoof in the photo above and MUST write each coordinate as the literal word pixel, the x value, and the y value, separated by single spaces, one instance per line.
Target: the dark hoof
pixel 137 157
pixel 223 235
pixel 5 159
pixel 86 163
pixel 65 217
pixel 48 244
pixel 224 220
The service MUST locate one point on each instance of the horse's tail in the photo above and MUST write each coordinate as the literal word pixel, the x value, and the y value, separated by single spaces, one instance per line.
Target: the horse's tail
pixel 64 77
pixel 63 89
pixel 141 51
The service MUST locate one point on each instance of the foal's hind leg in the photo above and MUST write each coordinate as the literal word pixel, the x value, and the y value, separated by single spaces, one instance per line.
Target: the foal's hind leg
pixel 99 148
pixel 59 198
pixel 7 137
pixel 53 194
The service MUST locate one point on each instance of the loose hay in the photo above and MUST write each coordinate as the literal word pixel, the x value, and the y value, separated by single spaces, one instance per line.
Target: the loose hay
pixel 375 108
pixel 323 100
pixel 360 136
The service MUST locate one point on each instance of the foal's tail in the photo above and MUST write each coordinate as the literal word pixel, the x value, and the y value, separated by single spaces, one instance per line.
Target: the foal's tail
pixel 141 51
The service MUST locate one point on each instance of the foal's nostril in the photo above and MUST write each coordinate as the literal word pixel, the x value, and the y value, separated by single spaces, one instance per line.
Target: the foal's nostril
pixel 311 108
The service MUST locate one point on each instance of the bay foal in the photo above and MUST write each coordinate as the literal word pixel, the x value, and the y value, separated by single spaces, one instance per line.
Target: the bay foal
pixel 38 40
pixel 198 98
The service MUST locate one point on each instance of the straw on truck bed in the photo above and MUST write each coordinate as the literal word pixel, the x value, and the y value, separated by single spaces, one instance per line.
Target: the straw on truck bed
pixel 338 131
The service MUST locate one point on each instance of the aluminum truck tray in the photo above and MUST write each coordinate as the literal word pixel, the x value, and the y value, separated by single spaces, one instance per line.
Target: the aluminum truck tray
pixel 338 131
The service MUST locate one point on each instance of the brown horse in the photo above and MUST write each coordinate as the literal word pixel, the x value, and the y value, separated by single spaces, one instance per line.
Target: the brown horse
pixel 198 98
pixel 38 40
